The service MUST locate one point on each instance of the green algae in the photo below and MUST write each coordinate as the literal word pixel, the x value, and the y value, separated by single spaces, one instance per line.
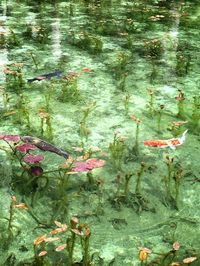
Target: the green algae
pixel 131 48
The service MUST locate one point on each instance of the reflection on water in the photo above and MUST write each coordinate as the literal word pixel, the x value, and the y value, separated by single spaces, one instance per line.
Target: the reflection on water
pixel 56 40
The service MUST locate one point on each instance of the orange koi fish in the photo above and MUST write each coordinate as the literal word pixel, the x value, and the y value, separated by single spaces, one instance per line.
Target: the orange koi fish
pixel 171 143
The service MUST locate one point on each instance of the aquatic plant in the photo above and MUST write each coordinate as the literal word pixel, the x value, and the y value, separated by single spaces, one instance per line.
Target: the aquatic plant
pixel 37 179
pixel 126 101
pixel 12 39
pixel 127 178
pixel 153 74
pixel 138 178
pixel 69 234
pixel 71 241
pixel 28 165
pixel 135 149
pixel 11 141
pixel 65 193
pixel 195 119
pixel 87 110
pixel 87 41
pixel 124 196
pixel 6 99
pixel 153 48
pixel 61 177
pixel 129 39
pixel 143 255
pixel 169 258
pixel 151 103
pixel 169 161
pixel 100 210
pixel 97 45
pixel 173 180
pixel 41 33
pixel 178 178
pixel 176 127
pixel 34 59
pixel 69 87
pixel 159 114
pixel 13 205
pixel 182 63
pixel 14 77
pixel 3 39
pixel 46 124
pixel 120 65
pixel 122 82
pixel 83 129
pixel 48 96
pixel 84 232
pixel 84 132
pixel 117 151
pixel 23 111
pixel 180 98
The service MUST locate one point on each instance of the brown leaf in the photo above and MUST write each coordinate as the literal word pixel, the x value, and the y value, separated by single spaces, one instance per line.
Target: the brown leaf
pixel 61 247
pixel 42 253
pixel 39 239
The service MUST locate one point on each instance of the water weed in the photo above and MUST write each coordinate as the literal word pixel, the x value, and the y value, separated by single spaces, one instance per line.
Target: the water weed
pixel 71 192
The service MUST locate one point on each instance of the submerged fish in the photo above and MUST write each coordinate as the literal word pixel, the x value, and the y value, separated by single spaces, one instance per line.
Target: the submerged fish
pixel 56 73
pixel 171 143
pixel 44 146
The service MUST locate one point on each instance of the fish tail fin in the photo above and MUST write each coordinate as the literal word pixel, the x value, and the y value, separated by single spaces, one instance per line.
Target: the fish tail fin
pixel 65 154
pixel 183 136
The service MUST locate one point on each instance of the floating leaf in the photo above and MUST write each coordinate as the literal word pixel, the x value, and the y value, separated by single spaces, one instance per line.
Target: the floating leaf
pixel 42 253
pixel 51 239
pixel 88 165
pixel 86 70
pixel 189 260
pixel 176 245
pixel 26 147
pixel 21 206
pixel 33 158
pixel 61 247
pixel 39 240
pixel 11 138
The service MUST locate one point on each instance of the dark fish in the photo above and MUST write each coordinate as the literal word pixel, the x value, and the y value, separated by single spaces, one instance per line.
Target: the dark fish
pixel 44 146
pixel 56 73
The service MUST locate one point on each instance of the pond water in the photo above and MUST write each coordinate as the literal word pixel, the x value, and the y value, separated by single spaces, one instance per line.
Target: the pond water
pixel 114 85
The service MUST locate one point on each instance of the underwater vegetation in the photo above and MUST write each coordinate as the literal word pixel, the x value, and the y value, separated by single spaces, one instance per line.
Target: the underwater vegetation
pixel 99 133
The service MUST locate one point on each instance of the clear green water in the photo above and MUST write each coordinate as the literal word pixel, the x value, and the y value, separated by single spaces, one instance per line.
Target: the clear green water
pixel 131 58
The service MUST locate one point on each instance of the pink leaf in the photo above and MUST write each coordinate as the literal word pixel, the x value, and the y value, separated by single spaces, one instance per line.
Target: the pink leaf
pixel 2 136
pixel 81 167
pixel 26 147
pixel 12 138
pixel 33 158
pixel 88 165
pixel 95 163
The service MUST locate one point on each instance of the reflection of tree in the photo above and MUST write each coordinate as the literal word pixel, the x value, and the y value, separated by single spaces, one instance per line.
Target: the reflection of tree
pixel 3 51
pixel 56 39
pixel 171 41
